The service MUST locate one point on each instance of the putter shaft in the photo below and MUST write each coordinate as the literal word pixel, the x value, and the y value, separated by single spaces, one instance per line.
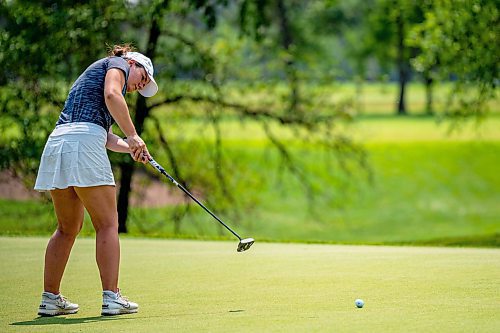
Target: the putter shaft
pixel 162 170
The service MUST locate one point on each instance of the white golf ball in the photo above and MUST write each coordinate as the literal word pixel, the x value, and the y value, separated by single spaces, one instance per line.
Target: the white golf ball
pixel 359 303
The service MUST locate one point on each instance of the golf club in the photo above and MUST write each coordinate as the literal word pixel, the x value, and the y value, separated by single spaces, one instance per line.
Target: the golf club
pixel 243 245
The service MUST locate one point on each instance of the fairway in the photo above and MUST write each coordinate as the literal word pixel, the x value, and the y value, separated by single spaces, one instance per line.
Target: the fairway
pixel 196 286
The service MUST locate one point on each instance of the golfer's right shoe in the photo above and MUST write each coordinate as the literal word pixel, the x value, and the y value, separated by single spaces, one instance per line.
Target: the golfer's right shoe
pixel 116 304
pixel 55 305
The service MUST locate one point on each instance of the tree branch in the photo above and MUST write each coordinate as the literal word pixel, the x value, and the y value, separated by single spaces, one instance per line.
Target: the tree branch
pixel 177 214
pixel 309 121
pixel 290 164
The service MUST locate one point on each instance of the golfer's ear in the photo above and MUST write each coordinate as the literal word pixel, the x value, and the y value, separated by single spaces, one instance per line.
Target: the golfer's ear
pixel 114 81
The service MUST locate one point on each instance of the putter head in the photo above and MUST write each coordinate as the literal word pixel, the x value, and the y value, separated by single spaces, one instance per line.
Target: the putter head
pixel 245 244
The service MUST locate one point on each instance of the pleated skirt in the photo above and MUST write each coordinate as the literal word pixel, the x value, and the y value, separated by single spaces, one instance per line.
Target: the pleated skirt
pixel 75 155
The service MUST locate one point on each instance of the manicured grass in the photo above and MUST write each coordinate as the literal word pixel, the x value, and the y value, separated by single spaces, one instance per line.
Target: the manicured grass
pixel 196 286
pixel 365 129
pixel 369 98
pixel 373 129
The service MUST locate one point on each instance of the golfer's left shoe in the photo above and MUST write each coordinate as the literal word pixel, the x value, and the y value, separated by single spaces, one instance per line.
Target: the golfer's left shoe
pixel 55 305
pixel 116 304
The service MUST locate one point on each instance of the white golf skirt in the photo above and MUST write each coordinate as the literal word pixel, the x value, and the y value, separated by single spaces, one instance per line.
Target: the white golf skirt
pixel 75 155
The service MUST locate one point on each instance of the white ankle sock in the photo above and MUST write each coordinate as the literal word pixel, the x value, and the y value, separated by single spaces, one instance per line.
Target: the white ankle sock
pixel 50 295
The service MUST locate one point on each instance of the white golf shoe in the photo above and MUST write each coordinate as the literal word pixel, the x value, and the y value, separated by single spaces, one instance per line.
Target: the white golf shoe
pixel 115 304
pixel 56 305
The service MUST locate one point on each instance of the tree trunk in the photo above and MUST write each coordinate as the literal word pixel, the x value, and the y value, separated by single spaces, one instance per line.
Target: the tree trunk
pixel 429 109
pixel 141 113
pixel 402 89
pixel 126 171
pixel 402 64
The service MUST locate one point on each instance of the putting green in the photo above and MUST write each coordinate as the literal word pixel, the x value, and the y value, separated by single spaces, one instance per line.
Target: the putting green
pixel 195 286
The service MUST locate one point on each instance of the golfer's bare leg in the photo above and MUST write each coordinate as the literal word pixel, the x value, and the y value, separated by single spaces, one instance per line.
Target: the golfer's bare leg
pixel 69 212
pixel 100 202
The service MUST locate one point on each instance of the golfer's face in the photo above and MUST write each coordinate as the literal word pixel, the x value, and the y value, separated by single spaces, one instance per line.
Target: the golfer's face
pixel 137 78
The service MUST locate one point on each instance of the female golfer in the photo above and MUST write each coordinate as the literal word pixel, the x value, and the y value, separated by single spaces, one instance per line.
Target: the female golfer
pixel 76 170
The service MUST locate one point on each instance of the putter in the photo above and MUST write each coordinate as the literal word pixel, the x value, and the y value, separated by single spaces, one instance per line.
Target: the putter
pixel 243 245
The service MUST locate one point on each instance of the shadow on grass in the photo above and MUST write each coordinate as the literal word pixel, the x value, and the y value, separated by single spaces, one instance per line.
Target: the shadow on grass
pixel 66 321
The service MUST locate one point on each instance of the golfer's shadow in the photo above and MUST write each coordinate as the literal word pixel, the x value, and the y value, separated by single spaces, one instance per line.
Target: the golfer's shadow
pixel 66 321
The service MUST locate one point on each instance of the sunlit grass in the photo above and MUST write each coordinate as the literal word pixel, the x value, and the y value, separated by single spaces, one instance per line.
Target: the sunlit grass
pixel 193 286
pixel 363 130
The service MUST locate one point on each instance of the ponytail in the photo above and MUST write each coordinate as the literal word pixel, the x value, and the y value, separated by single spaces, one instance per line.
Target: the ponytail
pixel 120 50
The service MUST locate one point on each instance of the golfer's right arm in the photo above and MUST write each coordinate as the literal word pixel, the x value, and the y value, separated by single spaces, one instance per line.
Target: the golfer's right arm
pixel 117 106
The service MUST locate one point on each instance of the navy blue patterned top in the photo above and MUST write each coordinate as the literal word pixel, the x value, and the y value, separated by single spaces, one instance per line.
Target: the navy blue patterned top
pixel 85 102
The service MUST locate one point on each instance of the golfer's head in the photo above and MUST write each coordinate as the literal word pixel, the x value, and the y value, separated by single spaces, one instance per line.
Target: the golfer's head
pixel 141 74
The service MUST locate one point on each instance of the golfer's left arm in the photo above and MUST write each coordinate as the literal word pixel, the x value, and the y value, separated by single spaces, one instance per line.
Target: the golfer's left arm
pixel 117 144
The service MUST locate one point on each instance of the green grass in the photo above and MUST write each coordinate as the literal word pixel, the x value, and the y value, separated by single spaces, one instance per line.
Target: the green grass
pixel 365 129
pixel 370 98
pixel 428 188
pixel 196 286
pixel 372 129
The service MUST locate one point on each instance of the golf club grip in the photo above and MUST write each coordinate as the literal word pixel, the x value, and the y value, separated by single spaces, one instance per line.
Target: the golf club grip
pixel 162 170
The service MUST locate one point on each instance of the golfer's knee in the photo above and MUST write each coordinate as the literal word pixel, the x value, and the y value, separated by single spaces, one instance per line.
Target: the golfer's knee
pixel 69 231
pixel 107 225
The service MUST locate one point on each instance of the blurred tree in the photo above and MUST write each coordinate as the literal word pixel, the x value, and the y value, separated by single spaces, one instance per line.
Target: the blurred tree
pixel 277 21
pixel 45 45
pixel 374 29
pixel 388 24
pixel 211 71
pixel 460 40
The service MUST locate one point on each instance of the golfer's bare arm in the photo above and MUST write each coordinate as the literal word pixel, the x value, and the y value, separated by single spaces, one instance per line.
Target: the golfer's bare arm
pixel 117 144
pixel 117 106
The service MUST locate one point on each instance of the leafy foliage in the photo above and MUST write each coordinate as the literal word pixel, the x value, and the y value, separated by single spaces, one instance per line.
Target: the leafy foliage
pixel 43 46
pixel 459 39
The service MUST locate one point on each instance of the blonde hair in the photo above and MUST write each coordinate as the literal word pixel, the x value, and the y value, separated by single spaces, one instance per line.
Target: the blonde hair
pixel 120 50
